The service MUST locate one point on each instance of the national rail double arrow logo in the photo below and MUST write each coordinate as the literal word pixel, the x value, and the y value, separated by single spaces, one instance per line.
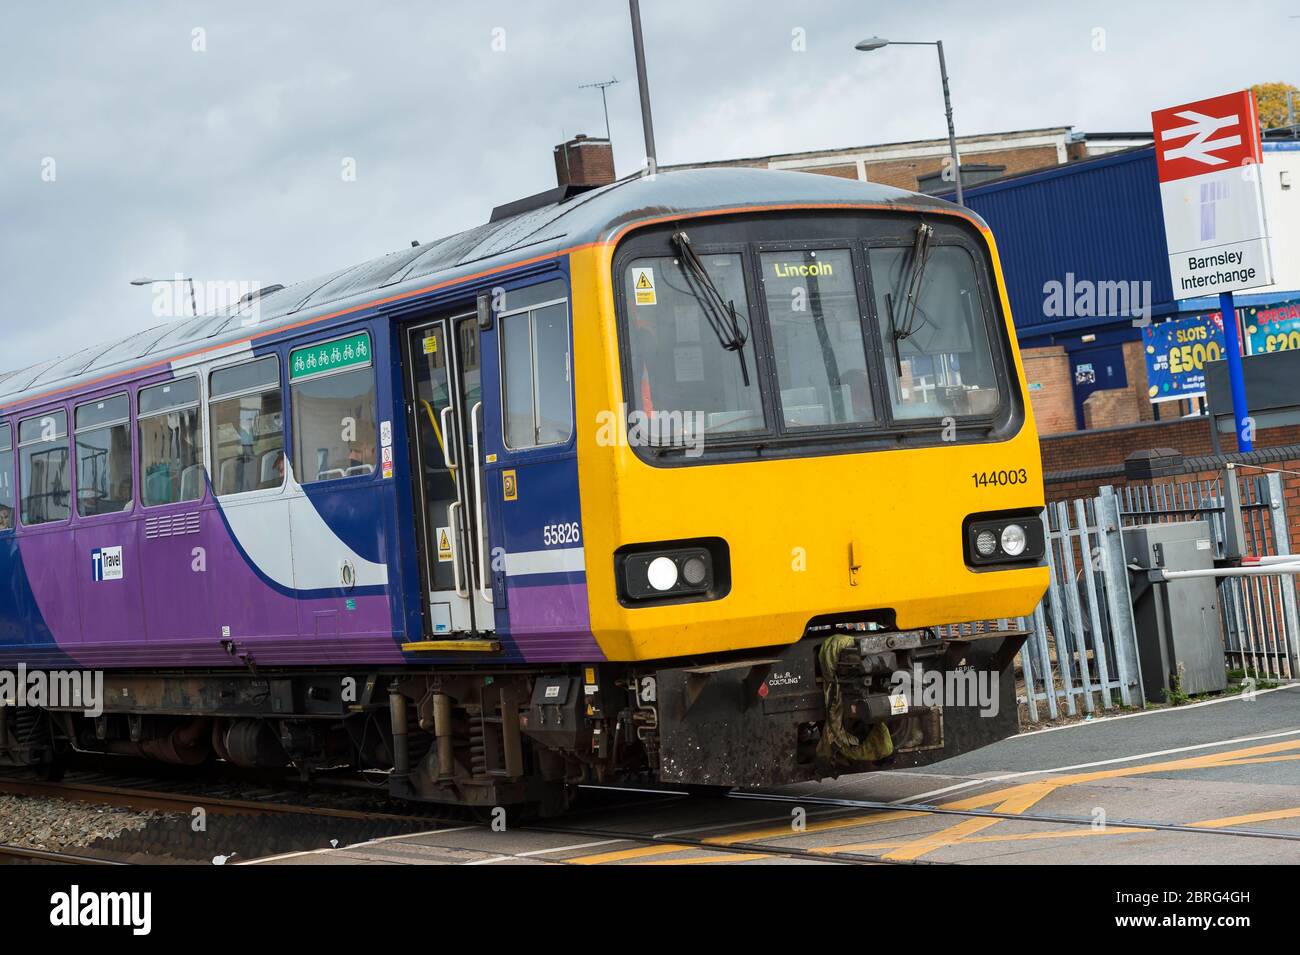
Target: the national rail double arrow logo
pixel 1206 136
pixel 1200 128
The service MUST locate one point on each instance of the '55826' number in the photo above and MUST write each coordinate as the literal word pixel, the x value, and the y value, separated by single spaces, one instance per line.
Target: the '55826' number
pixel 553 534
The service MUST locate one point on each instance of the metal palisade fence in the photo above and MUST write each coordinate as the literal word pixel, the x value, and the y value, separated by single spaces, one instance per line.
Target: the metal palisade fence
pixel 1081 654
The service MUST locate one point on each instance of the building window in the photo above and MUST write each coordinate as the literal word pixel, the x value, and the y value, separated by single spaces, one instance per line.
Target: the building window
pixel 6 478
pixel 171 443
pixel 816 322
pixel 935 332
pixel 537 396
pixel 247 425
pixel 43 468
pixel 103 444
pixel 333 410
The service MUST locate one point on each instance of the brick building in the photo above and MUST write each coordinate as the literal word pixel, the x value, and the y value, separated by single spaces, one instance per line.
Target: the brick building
pixel 920 165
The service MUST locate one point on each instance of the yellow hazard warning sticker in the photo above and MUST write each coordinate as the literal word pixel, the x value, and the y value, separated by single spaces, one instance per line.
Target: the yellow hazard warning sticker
pixel 431 345
pixel 444 544
pixel 509 486
pixel 643 285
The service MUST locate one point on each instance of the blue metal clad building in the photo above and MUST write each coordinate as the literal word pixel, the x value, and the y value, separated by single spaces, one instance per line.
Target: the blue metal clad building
pixel 1096 219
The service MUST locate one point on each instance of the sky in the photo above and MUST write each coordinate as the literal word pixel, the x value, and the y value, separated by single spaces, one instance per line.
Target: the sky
pixel 251 142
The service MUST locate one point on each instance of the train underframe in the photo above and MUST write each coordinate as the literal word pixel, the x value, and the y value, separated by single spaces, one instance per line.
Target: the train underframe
pixel 479 736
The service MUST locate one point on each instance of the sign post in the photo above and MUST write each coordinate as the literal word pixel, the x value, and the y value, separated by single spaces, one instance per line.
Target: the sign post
pixel 1208 157
pixel 1236 375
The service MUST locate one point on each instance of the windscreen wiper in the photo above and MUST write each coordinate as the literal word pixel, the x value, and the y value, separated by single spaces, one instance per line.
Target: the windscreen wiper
pixel 720 312
pixel 915 278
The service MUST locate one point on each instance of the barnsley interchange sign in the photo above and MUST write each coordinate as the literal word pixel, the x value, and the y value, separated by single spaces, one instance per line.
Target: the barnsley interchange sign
pixel 1208 157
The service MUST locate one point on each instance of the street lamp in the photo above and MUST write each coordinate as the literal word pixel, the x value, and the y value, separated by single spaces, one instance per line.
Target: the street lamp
pixel 179 278
pixel 643 84
pixel 876 43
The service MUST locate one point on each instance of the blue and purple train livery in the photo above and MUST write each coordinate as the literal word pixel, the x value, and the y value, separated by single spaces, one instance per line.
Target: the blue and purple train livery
pixel 592 491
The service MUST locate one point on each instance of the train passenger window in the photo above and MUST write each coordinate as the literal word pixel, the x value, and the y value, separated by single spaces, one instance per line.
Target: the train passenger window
pixel 687 377
pixel 537 395
pixel 816 324
pixel 247 426
pixel 103 443
pixel 171 443
pixel 6 478
pixel 935 331
pixel 43 468
pixel 332 398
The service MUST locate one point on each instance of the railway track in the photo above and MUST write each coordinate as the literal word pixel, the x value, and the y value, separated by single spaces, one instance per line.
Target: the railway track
pixel 756 849
pixel 205 822
pixel 859 805
pixel 185 800
pixel 10 855
pixel 146 794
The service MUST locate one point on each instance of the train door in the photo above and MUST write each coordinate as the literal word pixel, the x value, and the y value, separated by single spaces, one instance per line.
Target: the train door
pixel 445 407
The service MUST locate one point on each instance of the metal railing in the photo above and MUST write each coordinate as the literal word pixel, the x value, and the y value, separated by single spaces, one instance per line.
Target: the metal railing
pixel 1082 649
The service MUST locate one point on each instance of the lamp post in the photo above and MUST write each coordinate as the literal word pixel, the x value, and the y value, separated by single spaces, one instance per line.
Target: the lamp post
pixel 876 43
pixel 179 278
pixel 643 84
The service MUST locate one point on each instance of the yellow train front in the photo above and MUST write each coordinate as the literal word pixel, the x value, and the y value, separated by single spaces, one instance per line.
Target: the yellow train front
pixel 802 444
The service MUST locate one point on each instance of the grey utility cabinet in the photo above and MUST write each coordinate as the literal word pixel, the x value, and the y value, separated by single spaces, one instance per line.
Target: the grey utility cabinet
pixel 1179 630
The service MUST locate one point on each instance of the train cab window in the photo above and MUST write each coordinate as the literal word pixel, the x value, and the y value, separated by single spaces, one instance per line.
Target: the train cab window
pixel 935 332
pixel 171 443
pixel 6 478
pixel 687 367
pixel 332 400
pixel 247 427
pixel 816 327
pixel 536 376
pixel 43 468
pixel 103 443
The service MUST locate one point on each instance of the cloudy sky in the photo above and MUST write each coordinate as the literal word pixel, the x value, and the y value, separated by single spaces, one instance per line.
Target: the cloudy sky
pixel 211 138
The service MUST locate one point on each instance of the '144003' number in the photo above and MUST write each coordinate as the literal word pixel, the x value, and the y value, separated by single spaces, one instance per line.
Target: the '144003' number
pixel 1000 478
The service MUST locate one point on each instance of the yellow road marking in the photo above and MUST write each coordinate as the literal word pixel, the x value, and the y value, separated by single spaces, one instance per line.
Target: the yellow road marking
pixel 1012 800
pixel 706 859
pixel 1248 818
pixel 822 825
pixel 1017 799
pixel 621 855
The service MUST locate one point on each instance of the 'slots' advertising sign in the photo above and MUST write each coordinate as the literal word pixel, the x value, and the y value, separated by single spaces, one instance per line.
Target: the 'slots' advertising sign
pixel 1177 353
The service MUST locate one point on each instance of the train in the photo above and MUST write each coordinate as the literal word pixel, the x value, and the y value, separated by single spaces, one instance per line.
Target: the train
pixel 666 481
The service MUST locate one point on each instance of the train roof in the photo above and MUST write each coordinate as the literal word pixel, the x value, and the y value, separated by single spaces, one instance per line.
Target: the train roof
pixel 589 216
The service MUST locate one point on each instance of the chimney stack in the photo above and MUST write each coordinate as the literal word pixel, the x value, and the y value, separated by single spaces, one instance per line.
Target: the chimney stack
pixel 584 162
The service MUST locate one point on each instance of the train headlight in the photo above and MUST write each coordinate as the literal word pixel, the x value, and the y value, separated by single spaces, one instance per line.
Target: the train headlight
pixel 1013 540
pixel 662 574
pixel 999 539
pixel 695 570
pixel 672 572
